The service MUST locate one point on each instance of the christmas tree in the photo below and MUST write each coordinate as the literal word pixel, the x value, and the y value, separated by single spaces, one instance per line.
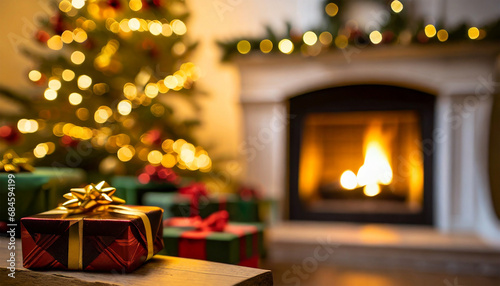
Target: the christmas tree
pixel 113 77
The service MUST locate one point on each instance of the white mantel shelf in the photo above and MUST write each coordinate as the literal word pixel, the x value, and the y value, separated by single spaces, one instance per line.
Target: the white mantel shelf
pixel 426 68
pixel 463 77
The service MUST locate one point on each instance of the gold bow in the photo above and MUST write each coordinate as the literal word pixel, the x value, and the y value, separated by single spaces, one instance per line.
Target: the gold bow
pixel 12 163
pixel 91 198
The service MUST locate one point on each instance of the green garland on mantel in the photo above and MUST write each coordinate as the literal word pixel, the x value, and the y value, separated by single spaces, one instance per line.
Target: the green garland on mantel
pixel 337 34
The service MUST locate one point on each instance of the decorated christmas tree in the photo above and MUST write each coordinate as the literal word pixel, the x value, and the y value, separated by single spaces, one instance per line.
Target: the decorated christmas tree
pixel 114 84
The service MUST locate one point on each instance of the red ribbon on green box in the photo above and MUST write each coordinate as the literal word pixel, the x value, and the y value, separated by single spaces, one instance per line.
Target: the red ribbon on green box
pixel 214 239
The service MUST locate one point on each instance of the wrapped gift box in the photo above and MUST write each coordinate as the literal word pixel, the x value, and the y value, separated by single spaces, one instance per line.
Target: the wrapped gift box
pixel 234 243
pixel 130 189
pixel 103 238
pixel 254 210
pixel 39 190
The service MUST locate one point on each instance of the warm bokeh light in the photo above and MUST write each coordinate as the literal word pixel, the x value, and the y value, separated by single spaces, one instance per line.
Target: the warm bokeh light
pixel 135 5
pixel 285 46
pixel 102 114
pixel 82 113
pixel 348 180
pixel 341 41
pixel 155 27
pixel 84 82
pixel 170 82
pixel 125 153
pixel 68 75
pixel 77 57
pixel 54 84
pixel 396 6
pixel 166 30
pixel 178 27
pixel 65 6
pixel 243 47
pixel 41 150
pixel 50 94
pixel 67 37
pixel 34 75
pixel 371 190
pixel 266 46
pixel 375 37
pixel 430 31
pixel 27 125
pixel 55 43
pixel 78 4
pixel 310 38
pixel 124 107
pixel 134 24
pixel 80 35
pixel 331 9
pixel 169 160
pixel 75 98
pixel 155 157
pixel 179 48
pixel 473 33
pixel 151 90
pixel 442 35
pixel 325 38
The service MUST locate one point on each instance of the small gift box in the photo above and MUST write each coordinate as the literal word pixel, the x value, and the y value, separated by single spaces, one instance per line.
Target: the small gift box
pixel 152 179
pixel 246 206
pixel 92 231
pixel 214 239
pixel 35 190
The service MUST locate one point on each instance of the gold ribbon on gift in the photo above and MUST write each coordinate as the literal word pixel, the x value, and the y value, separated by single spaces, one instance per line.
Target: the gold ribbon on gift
pixel 12 163
pixel 94 198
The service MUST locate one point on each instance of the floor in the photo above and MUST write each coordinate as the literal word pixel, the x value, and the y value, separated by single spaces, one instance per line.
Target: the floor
pixel 294 274
pixel 313 253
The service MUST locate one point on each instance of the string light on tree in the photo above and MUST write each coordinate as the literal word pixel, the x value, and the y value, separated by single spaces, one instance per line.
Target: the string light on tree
pixel 396 6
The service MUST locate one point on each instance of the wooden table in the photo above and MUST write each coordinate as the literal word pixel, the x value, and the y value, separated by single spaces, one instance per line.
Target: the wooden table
pixel 160 270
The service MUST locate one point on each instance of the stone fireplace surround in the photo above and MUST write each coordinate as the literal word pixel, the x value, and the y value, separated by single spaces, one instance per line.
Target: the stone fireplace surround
pixel 462 76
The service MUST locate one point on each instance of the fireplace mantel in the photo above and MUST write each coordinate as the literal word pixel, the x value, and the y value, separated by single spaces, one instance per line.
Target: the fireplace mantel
pixel 461 76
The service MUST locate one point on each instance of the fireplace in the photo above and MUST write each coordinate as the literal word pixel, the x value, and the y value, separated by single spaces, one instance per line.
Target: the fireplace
pixel 356 153
pixel 460 79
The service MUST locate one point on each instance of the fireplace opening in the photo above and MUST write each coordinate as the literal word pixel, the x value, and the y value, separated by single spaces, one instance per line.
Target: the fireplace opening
pixel 362 154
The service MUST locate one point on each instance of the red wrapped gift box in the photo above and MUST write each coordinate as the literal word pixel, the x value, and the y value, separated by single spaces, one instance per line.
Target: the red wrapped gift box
pixel 116 237
pixel 213 239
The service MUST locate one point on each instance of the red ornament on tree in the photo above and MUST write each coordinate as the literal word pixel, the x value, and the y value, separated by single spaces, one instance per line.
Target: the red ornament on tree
pixel 58 24
pixel 115 4
pixel 42 36
pixel 9 134
pixel 68 141
pixel 157 174
pixel 151 47
pixel 152 137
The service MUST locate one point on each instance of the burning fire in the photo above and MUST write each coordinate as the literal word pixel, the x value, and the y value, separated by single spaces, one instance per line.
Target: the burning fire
pixel 376 169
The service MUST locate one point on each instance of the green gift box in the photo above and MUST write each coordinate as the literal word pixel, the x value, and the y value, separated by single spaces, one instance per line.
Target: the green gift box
pixel 130 189
pixel 254 210
pixel 236 243
pixel 37 191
